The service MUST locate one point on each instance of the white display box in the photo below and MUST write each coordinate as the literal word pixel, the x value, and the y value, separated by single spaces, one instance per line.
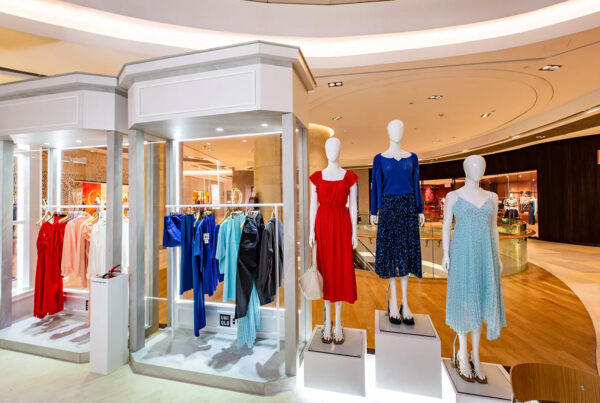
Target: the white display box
pixel 109 314
pixel 458 391
pixel 336 368
pixel 408 358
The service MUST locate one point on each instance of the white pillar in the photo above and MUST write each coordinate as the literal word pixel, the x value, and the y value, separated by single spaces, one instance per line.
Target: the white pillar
pixel 114 198
pixel 6 230
pixel 136 242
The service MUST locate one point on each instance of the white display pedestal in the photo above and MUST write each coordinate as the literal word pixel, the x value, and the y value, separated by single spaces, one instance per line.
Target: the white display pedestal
pixel 458 391
pixel 336 368
pixel 407 358
pixel 109 315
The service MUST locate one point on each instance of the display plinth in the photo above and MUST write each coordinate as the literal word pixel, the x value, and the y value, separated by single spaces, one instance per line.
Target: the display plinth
pixel 64 337
pixel 336 368
pixel 407 358
pixel 109 319
pixel 213 359
pixel 458 391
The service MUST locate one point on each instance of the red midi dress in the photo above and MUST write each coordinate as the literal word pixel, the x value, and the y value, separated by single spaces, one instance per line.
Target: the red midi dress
pixel 333 236
pixel 48 294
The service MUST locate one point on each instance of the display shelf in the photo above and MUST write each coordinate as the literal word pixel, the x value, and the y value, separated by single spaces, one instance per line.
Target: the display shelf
pixel 407 358
pixel 213 359
pixel 456 390
pixel 66 337
pixel 336 367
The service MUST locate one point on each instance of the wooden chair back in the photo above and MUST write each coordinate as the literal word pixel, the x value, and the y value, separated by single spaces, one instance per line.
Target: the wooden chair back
pixel 554 383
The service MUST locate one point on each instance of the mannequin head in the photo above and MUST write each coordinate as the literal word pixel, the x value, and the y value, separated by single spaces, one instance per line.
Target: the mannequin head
pixel 332 149
pixel 474 166
pixel 395 130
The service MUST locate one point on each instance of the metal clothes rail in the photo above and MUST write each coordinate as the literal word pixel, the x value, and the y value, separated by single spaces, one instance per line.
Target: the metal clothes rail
pixel 171 207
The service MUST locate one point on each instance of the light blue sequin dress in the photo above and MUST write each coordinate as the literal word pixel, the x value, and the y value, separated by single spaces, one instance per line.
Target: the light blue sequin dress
pixel 474 281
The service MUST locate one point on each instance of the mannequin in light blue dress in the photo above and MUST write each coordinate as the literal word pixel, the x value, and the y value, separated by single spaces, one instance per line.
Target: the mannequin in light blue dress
pixel 474 292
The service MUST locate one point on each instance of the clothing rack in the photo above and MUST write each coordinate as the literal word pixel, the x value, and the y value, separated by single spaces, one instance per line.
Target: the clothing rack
pixel 76 206
pixel 172 207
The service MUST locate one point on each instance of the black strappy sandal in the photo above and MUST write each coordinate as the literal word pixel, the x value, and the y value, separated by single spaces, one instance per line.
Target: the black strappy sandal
pixel 409 321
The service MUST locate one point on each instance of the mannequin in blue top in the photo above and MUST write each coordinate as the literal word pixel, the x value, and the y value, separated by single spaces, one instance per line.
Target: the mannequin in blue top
pixel 400 184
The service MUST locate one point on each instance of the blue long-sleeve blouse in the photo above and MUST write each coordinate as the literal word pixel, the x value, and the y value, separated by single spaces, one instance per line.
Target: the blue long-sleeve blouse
pixel 393 177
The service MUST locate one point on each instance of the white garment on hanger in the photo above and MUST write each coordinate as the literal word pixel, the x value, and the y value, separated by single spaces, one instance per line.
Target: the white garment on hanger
pixel 97 255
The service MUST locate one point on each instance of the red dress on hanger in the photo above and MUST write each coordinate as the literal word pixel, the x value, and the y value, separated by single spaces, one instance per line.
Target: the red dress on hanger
pixel 333 235
pixel 48 295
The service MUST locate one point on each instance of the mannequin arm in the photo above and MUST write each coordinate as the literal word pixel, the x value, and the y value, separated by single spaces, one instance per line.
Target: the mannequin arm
pixel 447 229
pixel 314 205
pixel 353 206
pixel 495 229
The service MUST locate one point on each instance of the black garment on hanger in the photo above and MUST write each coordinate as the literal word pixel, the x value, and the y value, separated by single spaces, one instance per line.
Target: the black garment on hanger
pixel 267 279
pixel 531 212
pixel 247 264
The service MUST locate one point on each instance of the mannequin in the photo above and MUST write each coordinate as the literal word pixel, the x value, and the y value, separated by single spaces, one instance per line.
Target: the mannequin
pixel 333 173
pixel 474 201
pixel 395 131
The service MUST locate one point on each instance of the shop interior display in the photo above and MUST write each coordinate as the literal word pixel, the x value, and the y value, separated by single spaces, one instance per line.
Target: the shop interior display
pixel 396 196
pixel 472 260
pixel 333 233
pixel 511 208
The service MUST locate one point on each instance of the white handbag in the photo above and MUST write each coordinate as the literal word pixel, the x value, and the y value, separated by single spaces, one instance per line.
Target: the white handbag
pixel 311 282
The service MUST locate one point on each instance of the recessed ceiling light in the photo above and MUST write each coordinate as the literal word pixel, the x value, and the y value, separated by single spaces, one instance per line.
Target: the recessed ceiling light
pixel 592 110
pixel 335 84
pixel 435 97
pixel 207 144
pixel 516 136
pixel 219 129
pixel 244 141
pixel 78 141
pixel 485 115
pixel 264 124
pixel 551 67
pixel 540 137
pixel 336 117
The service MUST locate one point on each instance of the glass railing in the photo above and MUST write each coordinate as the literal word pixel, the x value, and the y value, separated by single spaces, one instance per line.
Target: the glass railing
pixel 513 247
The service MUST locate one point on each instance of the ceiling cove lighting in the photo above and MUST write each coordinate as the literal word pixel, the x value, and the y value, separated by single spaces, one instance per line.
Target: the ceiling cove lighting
pixel 336 117
pixel 85 19
pixel 465 150
pixel 435 97
pixel 540 137
pixel 592 110
pixel 335 84
pixel 551 67
pixel 516 136
pixel 485 115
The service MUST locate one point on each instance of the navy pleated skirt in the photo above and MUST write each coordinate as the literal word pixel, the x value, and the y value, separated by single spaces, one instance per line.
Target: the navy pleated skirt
pixel 398 251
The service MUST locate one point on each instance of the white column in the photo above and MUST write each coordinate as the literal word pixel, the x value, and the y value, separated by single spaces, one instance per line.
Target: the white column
pixel 114 198
pixel 136 241
pixel 288 174
pixel 6 233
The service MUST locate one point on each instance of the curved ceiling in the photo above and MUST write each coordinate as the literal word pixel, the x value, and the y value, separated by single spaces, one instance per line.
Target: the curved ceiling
pixel 395 31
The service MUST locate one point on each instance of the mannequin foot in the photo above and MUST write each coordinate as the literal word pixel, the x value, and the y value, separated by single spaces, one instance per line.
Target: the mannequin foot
pixel 478 373
pixel 461 361
pixel 407 316
pixel 338 334
pixel 394 314
pixel 326 335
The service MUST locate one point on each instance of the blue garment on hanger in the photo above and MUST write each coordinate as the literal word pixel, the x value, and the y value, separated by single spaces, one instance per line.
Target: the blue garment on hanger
pixel 210 271
pixel 215 242
pixel 172 230
pixel 186 276
pixel 197 259
pixel 249 325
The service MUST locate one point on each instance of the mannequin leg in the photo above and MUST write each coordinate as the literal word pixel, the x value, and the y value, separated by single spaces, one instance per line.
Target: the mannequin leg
pixel 327 324
pixel 463 356
pixel 406 312
pixel 393 301
pixel 338 321
pixel 475 339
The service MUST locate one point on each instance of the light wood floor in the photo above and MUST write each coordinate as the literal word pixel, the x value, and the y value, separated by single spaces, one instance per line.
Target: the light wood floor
pixel 546 321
